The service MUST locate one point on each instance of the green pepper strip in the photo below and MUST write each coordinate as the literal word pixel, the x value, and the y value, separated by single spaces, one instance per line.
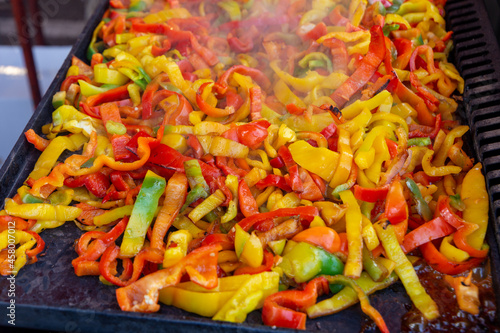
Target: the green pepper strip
pixel 422 142
pixel 404 269
pixel 195 194
pixel 377 271
pixel 194 174
pixel 422 206
pixel 142 214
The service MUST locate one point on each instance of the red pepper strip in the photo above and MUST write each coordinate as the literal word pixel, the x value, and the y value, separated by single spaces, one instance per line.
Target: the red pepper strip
pixel 238 45
pixel 170 158
pixel 295 110
pixel 441 264
pixel 147 99
pixel 208 109
pixel 117 178
pixel 266 266
pixel 366 69
pixel 277 162
pixel 305 213
pixel 340 58
pixel 142 295
pixel 316 32
pixel 7 222
pixel 221 239
pixel 371 194
pixel 421 131
pixel 434 229
pixel 175 196
pixel 424 116
pixel 36 140
pixel 85 268
pixel 396 209
pixel 111 112
pixel 84 240
pixel 73 79
pixel 107 265
pixel 392 146
pixel 251 134
pixel 281 309
pixel 195 145
pixel 310 191
pixel 112 95
pixel 97 58
pixel 255 103
pixel 133 144
pixel 293 179
pixel 337 18
pixel 273 180
pixel 157 51
pixel 228 167
pixel 431 101
pixel 88 213
pixel 40 245
pixel 99 245
pixel 234 99
pixel 248 205
pixel 463 228
pixel 154 28
pixel 329 130
pixel 255 74
pixel 429 54
pixel 221 184
pixel 97 183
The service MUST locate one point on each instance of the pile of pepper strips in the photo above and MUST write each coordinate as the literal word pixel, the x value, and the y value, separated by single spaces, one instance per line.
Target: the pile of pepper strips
pixel 236 155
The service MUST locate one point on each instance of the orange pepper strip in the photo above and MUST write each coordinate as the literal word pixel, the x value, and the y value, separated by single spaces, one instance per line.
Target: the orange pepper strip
pixel 142 295
pixel 175 196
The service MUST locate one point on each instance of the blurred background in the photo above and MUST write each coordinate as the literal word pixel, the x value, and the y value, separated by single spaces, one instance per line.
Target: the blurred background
pixel 61 21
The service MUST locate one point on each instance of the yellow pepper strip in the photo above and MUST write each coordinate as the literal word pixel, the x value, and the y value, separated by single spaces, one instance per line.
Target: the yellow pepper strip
pixel 391 118
pixel 41 225
pixel 264 196
pixel 205 304
pixel 273 199
pixel 285 134
pixel 357 123
pixel 373 172
pixel 353 217
pixel 286 96
pixel 405 271
pixel 441 155
pixel 167 14
pixel 369 234
pixel 365 155
pixel 343 168
pixel 232 209
pixel 209 127
pixel 174 254
pixel 348 297
pixel 433 171
pixel 182 222
pixel 264 160
pixel 396 19
pixel 209 204
pixel 459 157
pixel 26 240
pixel 49 156
pixel 113 215
pixel 357 11
pixel 248 297
pixel 254 176
pixel 330 212
pixel 224 147
pixel 42 211
pixel 318 160
pixel 252 253
pixel 346 37
pixel 175 76
pixel 415 11
pixel 105 75
pixel 451 252
pixel 476 200
pixel 289 200
pixel 352 110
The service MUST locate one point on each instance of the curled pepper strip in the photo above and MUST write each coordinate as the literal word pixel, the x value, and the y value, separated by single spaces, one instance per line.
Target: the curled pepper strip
pixel 207 108
pixel 281 309
pixel 366 69
pixel 142 295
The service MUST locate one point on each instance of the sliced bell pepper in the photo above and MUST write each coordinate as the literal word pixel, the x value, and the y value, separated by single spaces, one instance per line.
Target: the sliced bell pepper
pixel 142 214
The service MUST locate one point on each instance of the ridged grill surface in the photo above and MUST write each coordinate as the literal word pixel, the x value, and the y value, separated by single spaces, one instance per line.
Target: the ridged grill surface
pixel 476 52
